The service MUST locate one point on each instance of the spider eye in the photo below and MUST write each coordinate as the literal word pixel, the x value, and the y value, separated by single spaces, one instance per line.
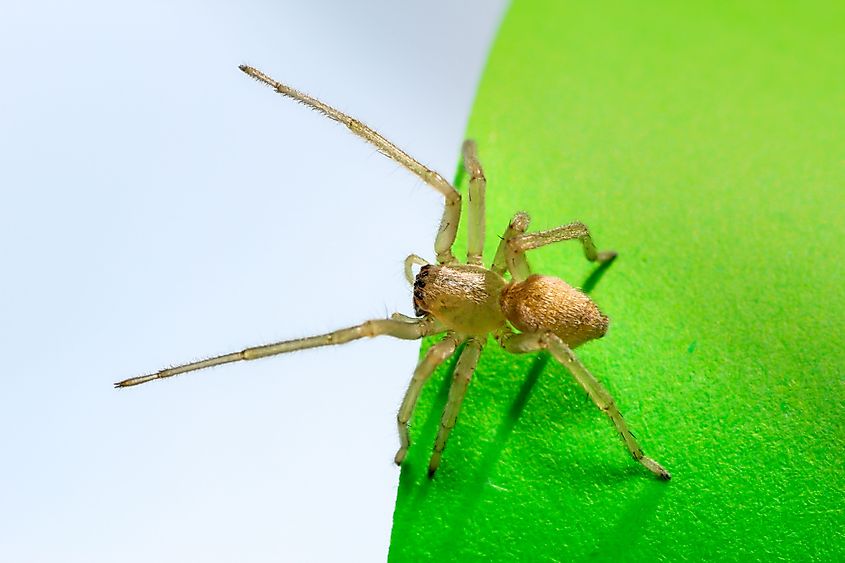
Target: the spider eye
pixel 419 300
pixel 419 290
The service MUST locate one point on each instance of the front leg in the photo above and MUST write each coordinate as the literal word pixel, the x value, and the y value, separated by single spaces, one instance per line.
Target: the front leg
pixel 397 328
pixel 452 206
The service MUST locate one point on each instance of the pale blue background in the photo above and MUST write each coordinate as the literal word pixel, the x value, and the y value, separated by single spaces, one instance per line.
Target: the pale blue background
pixel 157 207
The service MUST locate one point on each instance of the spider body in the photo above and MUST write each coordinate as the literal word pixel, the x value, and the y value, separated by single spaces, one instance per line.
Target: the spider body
pixel 476 301
pixel 466 302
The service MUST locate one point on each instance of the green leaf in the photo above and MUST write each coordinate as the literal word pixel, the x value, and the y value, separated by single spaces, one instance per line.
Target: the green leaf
pixel 705 142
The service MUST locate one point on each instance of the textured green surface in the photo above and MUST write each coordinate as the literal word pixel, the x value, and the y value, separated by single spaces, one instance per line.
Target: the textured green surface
pixel 705 142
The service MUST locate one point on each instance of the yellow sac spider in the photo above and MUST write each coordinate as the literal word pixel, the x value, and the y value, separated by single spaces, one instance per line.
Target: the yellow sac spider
pixel 466 302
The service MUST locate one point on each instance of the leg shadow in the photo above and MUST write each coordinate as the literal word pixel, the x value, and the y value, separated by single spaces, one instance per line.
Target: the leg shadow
pixel 481 477
pixel 615 543
pixel 596 275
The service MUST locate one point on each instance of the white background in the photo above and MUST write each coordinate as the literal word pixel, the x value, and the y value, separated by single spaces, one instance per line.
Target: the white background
pixel 158 207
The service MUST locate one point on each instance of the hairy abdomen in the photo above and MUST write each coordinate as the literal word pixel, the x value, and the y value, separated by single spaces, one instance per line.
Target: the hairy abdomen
pixel 545 303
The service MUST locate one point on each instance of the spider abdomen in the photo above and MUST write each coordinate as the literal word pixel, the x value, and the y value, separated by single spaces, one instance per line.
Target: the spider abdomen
pixel 546 303
pixel 463 297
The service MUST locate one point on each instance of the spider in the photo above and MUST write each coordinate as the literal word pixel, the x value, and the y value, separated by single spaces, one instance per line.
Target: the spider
pixel 466 302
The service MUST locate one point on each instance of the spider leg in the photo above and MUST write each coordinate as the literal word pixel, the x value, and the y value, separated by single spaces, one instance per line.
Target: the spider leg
pixel 577 230
pixel 389 327
pixel 511 261
pixel 460 382
pixel 523 343
pixel 475 207
pixel 452 210
pixel 435 356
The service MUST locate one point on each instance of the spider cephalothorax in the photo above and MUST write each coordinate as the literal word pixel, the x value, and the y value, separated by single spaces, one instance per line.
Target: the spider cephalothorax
pixel 466 302
pixel 465 298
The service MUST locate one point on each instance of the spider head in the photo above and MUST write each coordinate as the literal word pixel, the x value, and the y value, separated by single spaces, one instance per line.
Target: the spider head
pixel 419 291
